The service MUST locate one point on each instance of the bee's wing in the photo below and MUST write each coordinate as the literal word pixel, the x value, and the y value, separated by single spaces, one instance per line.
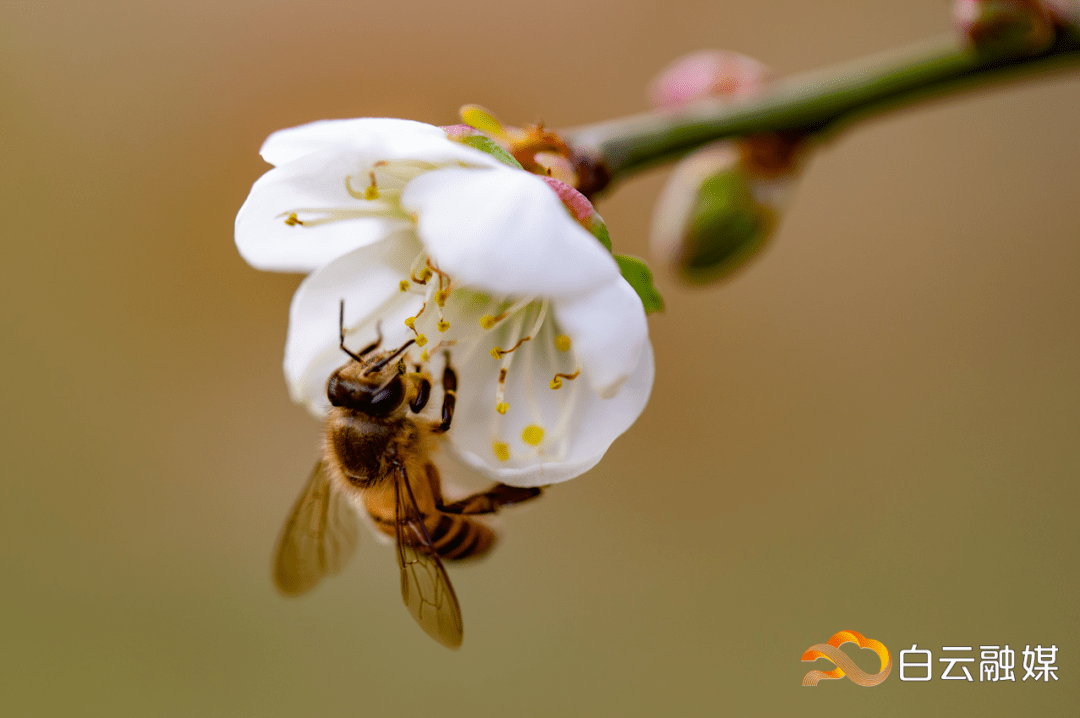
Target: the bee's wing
pixel 318 538
pixel 425 587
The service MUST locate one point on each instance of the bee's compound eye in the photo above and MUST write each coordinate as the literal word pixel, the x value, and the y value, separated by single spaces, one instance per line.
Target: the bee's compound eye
pixel 341 392
pixel 336 391
pixel 388 398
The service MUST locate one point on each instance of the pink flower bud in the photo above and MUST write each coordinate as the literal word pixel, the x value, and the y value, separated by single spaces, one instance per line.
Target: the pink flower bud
pixel 1066 13
pixel 708 73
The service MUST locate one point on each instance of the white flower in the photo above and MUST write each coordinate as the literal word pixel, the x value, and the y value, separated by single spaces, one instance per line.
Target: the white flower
pixel 442 243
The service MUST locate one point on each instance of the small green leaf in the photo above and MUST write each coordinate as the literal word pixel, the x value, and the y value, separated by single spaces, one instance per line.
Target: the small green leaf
pixel 486 144
pixel 637 273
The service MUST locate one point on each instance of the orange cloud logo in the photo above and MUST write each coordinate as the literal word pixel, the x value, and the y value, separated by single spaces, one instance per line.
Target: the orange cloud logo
pixel 844 665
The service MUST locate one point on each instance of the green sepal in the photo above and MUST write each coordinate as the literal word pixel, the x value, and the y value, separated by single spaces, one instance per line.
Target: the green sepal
pixel 488 145
pixel 599 230
pixel 726 229
pixel 639 276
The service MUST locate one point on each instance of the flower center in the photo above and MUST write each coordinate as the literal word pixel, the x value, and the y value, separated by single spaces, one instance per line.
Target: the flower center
pixel 512 340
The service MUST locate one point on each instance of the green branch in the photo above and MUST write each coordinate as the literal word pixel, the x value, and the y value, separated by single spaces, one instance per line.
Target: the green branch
pixel 822 101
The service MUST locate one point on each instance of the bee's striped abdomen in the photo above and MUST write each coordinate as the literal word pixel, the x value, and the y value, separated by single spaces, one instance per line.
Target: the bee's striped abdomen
pixel 456 537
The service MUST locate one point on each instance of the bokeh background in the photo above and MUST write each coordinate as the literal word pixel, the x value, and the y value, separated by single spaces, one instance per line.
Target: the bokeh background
pixel 873 428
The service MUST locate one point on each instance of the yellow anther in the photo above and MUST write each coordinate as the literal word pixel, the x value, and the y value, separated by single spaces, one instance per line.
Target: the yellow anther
pixel 443 325
pixel 372 192
pixel 424 356
pixel 292 220
pixel 556 383
pixel 403 285
pixel 425 274
pixel 532 435
pixel 562 343
pixel 502 407
pixel 487 321
pixel 411 323
pixel 502 451
pixel 496 352
pixel 440 297
pixel 421 340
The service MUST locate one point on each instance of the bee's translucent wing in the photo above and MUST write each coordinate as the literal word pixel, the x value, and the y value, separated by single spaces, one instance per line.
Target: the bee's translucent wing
pixel 425 587
pixel 318 538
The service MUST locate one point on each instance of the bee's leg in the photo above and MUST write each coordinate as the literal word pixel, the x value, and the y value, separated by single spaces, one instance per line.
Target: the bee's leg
pixel 436 485
pixel 490 501
pixel 423 393
pixel 449 383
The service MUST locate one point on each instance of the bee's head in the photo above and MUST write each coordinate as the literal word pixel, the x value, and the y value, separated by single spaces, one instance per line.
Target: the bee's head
pixel 367 387
pixel 371 382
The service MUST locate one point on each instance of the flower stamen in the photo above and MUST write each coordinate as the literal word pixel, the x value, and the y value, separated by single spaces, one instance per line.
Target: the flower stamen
pixel 556 383
pixel 490 322
pixel 439 345
pixel 502 451
pixel 562 343
pixel 435 269
pixel 410 322
pixel 487 321
pixel 369 193
pixel 499 353
pixel 328 215
pixel 500 393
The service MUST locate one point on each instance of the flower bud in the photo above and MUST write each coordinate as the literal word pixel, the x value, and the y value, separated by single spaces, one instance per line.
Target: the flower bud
pixel 714 214
pixel 722 203
pixel 708 73
pixel 1005 27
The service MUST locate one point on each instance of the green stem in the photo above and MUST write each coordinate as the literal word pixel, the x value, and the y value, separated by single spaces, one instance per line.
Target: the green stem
pixel 825 100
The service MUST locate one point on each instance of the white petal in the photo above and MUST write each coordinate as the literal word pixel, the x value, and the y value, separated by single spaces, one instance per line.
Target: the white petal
pixel 596 424
pixel 314 187
pixel 377 138
pixel 608 330
pixel 287 145
pixel 506 232
pixel 368 280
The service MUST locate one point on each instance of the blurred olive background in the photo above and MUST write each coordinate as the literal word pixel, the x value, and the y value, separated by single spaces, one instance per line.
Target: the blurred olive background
pixel 873 428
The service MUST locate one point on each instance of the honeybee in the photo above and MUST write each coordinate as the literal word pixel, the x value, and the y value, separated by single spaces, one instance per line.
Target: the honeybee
pixel 375 458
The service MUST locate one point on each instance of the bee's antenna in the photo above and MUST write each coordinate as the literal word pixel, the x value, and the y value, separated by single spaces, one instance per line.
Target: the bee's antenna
pixel 383 362
pixel 341 335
